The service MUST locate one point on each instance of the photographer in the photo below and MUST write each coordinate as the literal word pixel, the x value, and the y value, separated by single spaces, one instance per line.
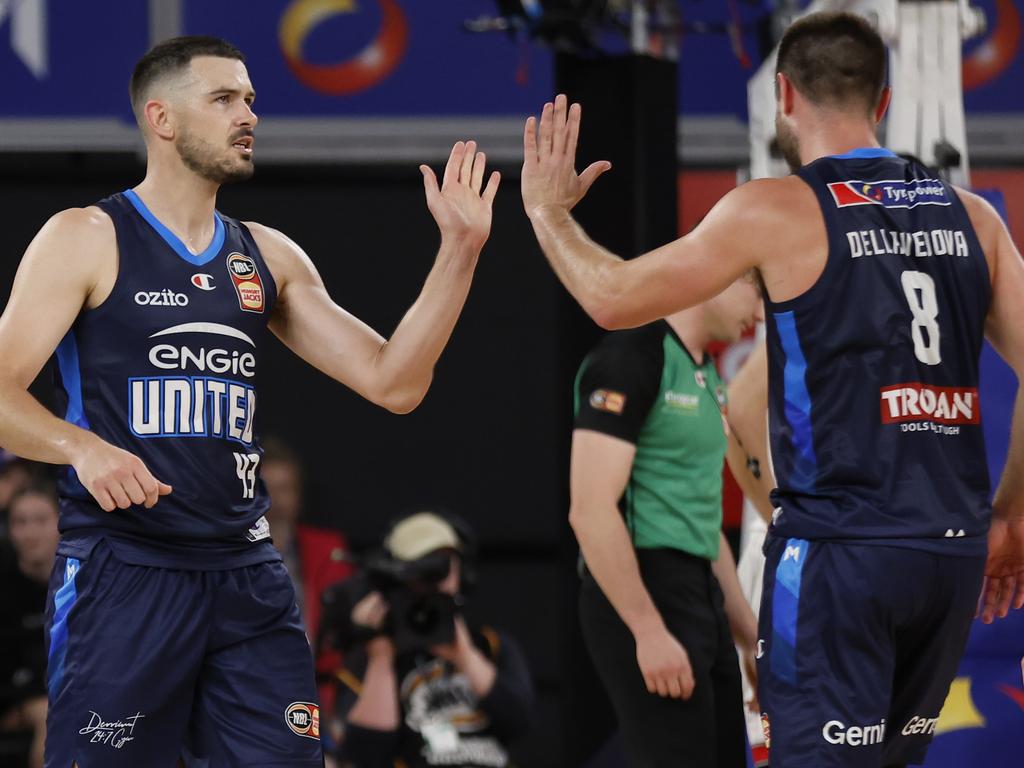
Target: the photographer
pixel 428 690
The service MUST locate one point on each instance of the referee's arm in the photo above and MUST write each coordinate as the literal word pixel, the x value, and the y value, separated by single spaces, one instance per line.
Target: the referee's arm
pixel 600 468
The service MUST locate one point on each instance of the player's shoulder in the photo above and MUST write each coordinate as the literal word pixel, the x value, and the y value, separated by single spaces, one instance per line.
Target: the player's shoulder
pixel 91 223
pixel 86 233
pixel 988 225
pixel 766 216
pixel 980 211
pixel 774 192
pixel 270 238
pixel 768 201
pixel 284 257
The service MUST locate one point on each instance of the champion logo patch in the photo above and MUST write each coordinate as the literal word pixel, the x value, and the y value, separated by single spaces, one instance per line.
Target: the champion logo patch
pixel 203 281
pixel 303 718
pixel 246 278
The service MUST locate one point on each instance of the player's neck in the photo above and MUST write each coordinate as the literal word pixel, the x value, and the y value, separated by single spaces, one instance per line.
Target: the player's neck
pixel 691 328
pixel 837 136
pixel 183 202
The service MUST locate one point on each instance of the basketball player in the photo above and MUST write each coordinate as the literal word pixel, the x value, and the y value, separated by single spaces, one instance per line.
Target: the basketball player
pixel 881 282
pixel 172 624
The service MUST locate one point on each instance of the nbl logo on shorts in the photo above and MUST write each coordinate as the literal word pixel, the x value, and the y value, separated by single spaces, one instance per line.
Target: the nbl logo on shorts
pixel 303 718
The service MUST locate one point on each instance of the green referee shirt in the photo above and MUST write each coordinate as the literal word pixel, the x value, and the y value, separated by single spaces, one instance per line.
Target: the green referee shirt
pixel 643 386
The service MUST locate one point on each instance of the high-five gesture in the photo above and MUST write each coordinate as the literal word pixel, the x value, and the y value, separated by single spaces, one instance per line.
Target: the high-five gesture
pixel 458 207
pixel 549 164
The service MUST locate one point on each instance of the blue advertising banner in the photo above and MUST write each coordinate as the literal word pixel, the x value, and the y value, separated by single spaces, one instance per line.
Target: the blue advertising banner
pixel 71 59
pixel 377 57
pixel 398 57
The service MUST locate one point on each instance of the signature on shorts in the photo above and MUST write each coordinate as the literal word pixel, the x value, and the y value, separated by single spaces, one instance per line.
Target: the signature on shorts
pixel 115 733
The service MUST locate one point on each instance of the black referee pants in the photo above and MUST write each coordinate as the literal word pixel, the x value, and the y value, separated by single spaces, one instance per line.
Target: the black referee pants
pixel 708 729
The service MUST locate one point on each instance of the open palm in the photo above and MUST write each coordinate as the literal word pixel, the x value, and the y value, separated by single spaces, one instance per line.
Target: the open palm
pixel 549 159
pixel 461 211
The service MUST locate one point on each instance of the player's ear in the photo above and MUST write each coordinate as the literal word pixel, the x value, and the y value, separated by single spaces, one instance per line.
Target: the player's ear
pixel 786 92
pixel 883 104
pixel 157 118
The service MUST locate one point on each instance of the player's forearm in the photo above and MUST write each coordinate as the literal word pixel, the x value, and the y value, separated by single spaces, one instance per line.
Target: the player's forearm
pixel 741 617
pixel 1009 498
pixel 743 465
pixel 405 364
pixel 585 268
pixel 608 552
pixel 377 706
pixel 29 430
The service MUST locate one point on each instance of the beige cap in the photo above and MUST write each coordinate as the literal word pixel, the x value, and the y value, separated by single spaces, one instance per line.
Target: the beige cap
pixel 419 535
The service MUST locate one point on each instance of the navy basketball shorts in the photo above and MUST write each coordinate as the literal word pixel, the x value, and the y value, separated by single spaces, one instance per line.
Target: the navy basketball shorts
pixel 859 645
pixel 149 665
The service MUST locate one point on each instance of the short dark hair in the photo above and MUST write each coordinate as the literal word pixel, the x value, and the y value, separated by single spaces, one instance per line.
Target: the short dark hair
pixel 834 60
pixel 172 56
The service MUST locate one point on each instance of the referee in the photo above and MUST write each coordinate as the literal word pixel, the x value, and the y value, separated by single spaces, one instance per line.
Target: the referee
pixel 646 482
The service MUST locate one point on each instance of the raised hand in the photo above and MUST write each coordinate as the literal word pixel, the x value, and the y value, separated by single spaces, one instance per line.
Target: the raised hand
pixel 462 213
pixel 1004 570
pixel 116 478
pixel 549 162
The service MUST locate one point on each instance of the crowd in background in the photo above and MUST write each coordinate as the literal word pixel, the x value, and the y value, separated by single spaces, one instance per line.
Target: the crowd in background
pixel 316 558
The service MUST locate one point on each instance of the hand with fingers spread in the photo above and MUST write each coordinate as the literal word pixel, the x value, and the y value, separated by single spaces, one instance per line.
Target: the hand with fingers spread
pixel 116 478
pixel 549 163
pixel 1004 570
pixel 461 211
pixel 664 663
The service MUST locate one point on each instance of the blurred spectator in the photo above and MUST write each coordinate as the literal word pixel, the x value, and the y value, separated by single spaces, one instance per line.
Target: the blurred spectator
pixel 15 476
pixel 312 555
pixel 25 565
pixel 428 690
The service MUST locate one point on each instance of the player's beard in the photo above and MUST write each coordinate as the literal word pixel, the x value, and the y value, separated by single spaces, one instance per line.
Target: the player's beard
pixel 201 157
pixel 789 143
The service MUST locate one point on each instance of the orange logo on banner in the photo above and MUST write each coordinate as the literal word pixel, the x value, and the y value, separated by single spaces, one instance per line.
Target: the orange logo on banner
pixel 994 56
pixel 367 68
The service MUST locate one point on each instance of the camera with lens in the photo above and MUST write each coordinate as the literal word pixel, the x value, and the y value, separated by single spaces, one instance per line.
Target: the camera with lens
pixel 407 571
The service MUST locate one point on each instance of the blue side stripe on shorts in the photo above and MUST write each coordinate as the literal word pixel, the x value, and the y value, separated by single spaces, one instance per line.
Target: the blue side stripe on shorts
pixel 63 602
pixel 786 609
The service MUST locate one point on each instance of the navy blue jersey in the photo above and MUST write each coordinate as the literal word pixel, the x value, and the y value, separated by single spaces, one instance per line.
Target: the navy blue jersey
pixel 166 368
pixel 873 372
